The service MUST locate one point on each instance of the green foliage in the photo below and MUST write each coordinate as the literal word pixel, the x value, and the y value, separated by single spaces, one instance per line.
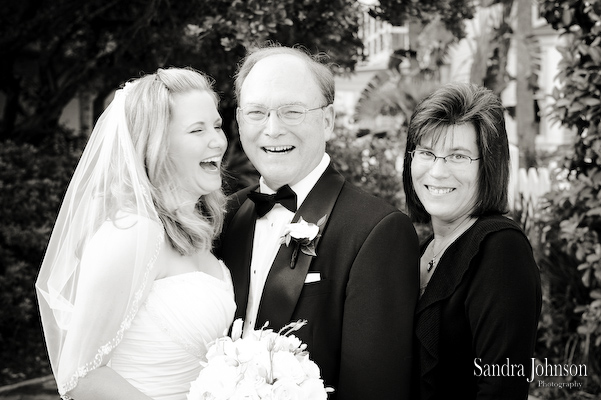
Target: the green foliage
pixel 570 330
pixel 49 51
pixel 32 182
pixel 578 101
pixel 370 162
pixel 571 263
pixel 451 12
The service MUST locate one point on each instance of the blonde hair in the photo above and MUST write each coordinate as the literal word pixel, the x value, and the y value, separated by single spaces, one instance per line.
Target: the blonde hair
pixel 148 109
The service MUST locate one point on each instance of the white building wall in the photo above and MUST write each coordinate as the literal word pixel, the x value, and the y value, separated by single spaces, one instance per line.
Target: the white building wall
pixel 460 58
pixel 551 133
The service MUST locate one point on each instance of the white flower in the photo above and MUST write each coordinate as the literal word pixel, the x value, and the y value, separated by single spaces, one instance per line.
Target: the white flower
pixel 247 350
pixel 262 365
pixel 237 329
pixel 258 365
pixel 302 230
pixel 287 389
pixel 288 343
pixel 221 347
pixel 311 369
pixel 287 366
pixel 304 235
pixel 256 374
pixel 217 382
pixel 313 389
pixel 247 389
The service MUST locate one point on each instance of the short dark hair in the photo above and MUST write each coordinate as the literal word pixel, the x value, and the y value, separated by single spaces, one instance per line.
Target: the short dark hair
pixel 324 77
pixel 458 104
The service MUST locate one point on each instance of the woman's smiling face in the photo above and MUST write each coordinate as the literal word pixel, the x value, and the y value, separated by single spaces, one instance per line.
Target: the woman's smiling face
pixel 197 142
pixel 447 191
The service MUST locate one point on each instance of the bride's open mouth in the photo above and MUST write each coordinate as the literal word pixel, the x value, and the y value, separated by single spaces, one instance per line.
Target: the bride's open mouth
pixel 210 164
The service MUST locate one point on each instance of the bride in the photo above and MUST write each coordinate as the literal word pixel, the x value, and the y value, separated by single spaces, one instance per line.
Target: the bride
pixel 130 293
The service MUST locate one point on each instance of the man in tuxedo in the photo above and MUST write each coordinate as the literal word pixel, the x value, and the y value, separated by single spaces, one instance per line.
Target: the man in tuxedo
pixel 356 284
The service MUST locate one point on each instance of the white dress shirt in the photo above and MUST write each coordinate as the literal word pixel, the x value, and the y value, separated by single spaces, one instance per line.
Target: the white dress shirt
pixel 266 243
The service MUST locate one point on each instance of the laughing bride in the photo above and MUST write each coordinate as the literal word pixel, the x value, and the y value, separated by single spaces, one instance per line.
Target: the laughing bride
pixel 130 293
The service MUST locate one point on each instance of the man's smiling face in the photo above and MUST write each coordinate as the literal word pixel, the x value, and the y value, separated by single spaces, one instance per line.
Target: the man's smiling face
pixel 284 154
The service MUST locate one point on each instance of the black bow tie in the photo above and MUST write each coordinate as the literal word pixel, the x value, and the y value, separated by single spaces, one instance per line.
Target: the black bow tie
pixel 265 202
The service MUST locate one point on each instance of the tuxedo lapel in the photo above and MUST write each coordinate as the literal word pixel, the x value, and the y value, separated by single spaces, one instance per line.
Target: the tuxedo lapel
pixel 284 284
pixel 242 228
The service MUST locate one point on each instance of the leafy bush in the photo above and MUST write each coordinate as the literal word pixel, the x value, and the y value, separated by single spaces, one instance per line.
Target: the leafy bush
pixel 569 330
pixel 571 221
pixel 32 181
pixel 370 162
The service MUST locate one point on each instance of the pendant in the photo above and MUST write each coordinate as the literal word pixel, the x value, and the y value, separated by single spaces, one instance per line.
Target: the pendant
pixel 430 265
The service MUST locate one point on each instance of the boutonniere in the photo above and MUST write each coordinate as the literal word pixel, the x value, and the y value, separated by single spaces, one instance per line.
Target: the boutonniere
pixel 304 235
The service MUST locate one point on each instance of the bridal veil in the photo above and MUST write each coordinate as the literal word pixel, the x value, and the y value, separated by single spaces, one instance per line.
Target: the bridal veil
pixel 107 237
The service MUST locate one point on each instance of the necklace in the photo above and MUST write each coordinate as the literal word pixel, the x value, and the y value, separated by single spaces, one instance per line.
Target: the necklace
pixel 431 264
pixel 459 229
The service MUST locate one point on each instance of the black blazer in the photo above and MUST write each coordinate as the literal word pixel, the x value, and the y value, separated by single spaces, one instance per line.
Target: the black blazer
pixel 360 315
pixel 483 302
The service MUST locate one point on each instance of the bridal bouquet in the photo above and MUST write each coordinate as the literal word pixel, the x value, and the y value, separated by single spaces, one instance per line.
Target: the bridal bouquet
pixel 262 365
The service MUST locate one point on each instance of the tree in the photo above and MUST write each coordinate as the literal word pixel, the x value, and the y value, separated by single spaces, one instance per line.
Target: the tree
pixel 492 42
pixel 509 23
pixel 33 182
pixel 51 50
pixel 572 219
pixel 525 87
pixel 451 12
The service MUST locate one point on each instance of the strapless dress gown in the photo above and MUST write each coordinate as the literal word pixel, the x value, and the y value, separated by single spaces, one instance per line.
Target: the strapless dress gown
pixel 160 353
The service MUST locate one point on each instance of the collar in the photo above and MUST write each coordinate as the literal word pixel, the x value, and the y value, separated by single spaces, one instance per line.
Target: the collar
pixel 304 186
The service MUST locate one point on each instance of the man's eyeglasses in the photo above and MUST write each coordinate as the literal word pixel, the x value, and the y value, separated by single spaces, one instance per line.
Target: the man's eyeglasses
pixel 289 114
pixel 426 156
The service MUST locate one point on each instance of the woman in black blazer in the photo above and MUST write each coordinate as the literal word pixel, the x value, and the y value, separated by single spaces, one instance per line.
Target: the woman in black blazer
pixel 480 294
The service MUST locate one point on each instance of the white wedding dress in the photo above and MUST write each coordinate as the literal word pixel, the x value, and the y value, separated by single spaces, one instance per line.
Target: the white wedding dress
pixel 160 353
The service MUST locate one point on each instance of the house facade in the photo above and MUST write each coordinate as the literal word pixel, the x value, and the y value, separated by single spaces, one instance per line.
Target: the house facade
pixel 382 40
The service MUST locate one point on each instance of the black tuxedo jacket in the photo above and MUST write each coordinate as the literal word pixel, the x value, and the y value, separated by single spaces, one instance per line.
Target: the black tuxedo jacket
pixel 360 314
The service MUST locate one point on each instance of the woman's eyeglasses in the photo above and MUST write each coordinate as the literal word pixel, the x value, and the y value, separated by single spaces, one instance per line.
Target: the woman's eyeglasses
pixel 426 156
